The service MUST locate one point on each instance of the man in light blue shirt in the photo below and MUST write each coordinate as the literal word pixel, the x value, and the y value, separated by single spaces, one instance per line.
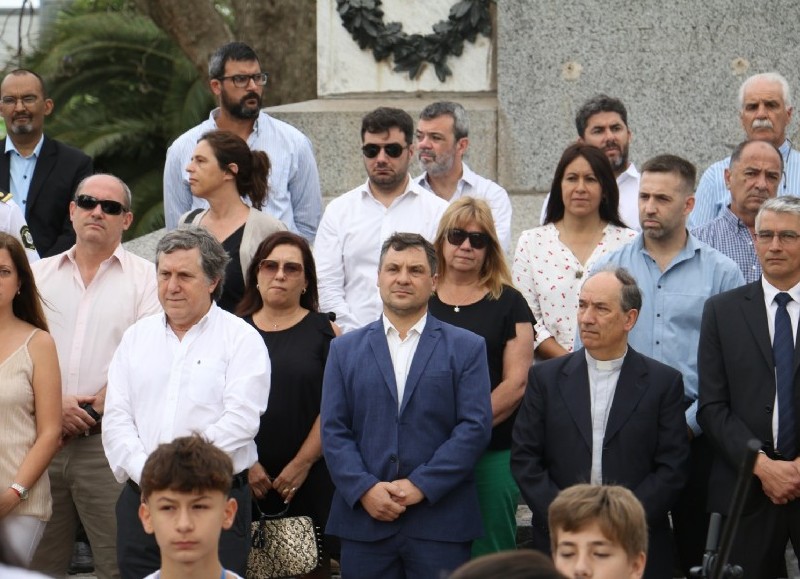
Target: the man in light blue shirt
pixel 676 274
pixel 765 109
pixel 237 81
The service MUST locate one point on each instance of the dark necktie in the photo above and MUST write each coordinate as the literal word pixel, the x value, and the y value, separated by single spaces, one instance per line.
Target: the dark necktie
pixel 783 353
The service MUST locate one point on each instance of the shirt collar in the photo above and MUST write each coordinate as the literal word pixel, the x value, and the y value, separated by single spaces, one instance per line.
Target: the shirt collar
pixel 212 116
pixel 732 220
pixel 785 148
pixel 605 365
pixel 692 246
pixel 209 316
pixel 630 173
pixel 418 327
pixel 770 291
pixel 36 150
pixel 410 188
pixel 69 256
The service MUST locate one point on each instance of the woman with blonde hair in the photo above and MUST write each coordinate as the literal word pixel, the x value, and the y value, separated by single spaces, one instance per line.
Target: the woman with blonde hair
pixel 474 291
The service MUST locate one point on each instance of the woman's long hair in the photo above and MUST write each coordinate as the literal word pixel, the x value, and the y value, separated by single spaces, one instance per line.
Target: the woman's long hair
pixel 27 304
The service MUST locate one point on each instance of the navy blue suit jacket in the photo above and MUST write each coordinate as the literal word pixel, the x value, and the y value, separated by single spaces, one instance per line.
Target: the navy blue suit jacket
pixel 59 170
pixel 442 427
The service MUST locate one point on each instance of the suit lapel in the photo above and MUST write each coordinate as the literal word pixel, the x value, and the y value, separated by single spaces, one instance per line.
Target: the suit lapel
pixel 5 169
pixel 383 359
pixel 427 342
pixel 755 316
pixel 631 385
pixel 44 165
pixel 574 390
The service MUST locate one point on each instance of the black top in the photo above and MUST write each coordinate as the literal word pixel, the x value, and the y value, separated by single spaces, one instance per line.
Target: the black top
pixel 496 321
pixel 233 289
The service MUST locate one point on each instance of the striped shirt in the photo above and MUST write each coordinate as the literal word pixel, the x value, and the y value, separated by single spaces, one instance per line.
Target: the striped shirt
pixel 727 234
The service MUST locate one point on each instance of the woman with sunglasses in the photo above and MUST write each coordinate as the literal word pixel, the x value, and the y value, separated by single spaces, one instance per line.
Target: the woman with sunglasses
pixel 281 302
pixel 223 172
pixel 474 291
pixel 30 406
pixel 581 224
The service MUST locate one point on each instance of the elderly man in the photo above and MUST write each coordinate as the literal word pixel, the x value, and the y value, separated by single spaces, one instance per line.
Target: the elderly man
pixel 752 178
pixel 194 368
pixel 356 223
pixel 765 110
pixel 406 414
pixel 92 294
pixel 602 122
pixel 605 414
pixel 749 387
pixel 442 142
pixel 237 81
pixel 40 172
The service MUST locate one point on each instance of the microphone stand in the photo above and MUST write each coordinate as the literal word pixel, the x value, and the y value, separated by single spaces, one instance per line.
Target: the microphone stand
pixel 715 561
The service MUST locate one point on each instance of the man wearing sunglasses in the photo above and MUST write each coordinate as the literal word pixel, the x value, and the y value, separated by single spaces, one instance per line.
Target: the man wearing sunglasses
pixel 94 292
pixel 238 83
pixel 442 141
pixel 356 223
pixel 41 173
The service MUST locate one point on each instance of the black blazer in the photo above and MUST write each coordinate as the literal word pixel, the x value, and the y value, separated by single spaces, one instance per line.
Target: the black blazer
pixel 59 170
pixel 737 386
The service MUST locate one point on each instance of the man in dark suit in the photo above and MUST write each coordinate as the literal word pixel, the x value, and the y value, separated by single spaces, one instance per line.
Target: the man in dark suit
pixel 604 415
pixel 40 172
pixel 406 414
pixel 750 388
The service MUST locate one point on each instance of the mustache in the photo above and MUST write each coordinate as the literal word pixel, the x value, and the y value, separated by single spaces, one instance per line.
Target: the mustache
pixel 251 95
pixel 762 124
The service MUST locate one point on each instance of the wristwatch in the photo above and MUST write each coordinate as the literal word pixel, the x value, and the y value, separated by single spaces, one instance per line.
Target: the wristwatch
pixel 21 491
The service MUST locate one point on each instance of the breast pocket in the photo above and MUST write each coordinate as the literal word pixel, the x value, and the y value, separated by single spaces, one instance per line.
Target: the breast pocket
pixel 207 382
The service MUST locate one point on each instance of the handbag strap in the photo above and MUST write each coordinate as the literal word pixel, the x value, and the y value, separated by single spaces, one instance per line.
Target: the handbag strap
pixel 263 515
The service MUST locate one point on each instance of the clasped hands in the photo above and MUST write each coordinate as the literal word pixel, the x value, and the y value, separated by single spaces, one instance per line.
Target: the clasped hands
pixel 386 501
pixel 780 480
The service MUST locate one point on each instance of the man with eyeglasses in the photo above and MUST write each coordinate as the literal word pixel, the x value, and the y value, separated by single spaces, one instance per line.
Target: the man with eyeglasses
pixel 749 387
pixel 356 223
pixel 237 81
pixel 442 140
pixel 41 173
pixel 92 293
pixel 752 178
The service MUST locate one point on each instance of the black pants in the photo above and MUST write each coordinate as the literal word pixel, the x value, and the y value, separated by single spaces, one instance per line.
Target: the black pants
pixel 689 516
pixel 138 554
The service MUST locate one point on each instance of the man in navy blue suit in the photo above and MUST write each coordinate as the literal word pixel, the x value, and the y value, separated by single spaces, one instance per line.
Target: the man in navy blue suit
pixel 406 414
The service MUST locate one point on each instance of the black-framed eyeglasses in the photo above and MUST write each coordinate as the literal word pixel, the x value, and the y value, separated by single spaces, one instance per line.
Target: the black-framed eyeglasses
pixel 394 150
pixel 242 80
pixel 787 237
pixel 108 206
pixel 477 239
pixel 27 100
pixel 290 268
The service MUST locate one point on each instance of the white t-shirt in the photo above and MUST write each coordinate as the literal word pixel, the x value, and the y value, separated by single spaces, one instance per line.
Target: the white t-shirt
pixel 228 575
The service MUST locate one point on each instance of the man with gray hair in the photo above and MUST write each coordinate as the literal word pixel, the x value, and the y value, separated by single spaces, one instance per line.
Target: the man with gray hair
pixel 442 141
pixel 193 369
pixel 765 110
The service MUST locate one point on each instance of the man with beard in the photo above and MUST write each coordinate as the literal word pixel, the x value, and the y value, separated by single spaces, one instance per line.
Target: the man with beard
pixel 765 109
pixel 602 122
pixel 442 141
pixel 237 81
pixel 41 173
pixel 676 274
pixel 753 177
pixel 356 224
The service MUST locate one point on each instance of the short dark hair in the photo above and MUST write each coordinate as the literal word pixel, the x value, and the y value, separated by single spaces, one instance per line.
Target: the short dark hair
pixel 601 167
pixel 23 71
pixel 452 109
pixel 382 119
pixel 251 300
pixel 253 166
pixel 213 257
pixel 519 564
pixel 402 241
pixel 600 103
pixel 739 151
pixel 187 464
pixel 684 169
pixel 238 51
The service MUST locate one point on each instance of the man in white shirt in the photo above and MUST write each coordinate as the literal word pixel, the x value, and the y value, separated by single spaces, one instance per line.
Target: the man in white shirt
pixel 602 122
pixel 91 293
pixel 604 414
pixel 193 369
pixel 442 141
pixel 356 223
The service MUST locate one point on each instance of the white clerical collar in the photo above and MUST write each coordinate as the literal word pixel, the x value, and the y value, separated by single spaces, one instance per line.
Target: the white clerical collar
pixel 605 365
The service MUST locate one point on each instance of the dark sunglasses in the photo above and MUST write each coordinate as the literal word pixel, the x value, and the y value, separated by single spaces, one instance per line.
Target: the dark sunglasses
pixel 394 150
pixel 290 268
pixel 108 206
pixel 477 239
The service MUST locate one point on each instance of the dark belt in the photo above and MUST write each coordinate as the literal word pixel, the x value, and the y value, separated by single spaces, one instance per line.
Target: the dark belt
pixel 239 480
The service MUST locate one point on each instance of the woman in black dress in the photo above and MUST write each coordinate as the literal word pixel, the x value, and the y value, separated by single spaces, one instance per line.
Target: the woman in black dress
pixel 281 302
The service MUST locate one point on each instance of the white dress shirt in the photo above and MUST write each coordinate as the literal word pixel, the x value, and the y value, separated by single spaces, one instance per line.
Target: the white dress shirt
pixel 348 247
pixel 12 221
pixel 473 185
pixel 402 351
pixel 215 381
pixel 603 377
pixel 793 307
pixel 87 323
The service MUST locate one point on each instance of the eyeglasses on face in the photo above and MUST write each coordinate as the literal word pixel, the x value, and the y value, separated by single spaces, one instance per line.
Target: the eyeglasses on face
pixel 27 100
pixel 477 239
pixel 108 206
pixel 765 237
pixel 394 150
pixel 242 80
pixel 290 268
